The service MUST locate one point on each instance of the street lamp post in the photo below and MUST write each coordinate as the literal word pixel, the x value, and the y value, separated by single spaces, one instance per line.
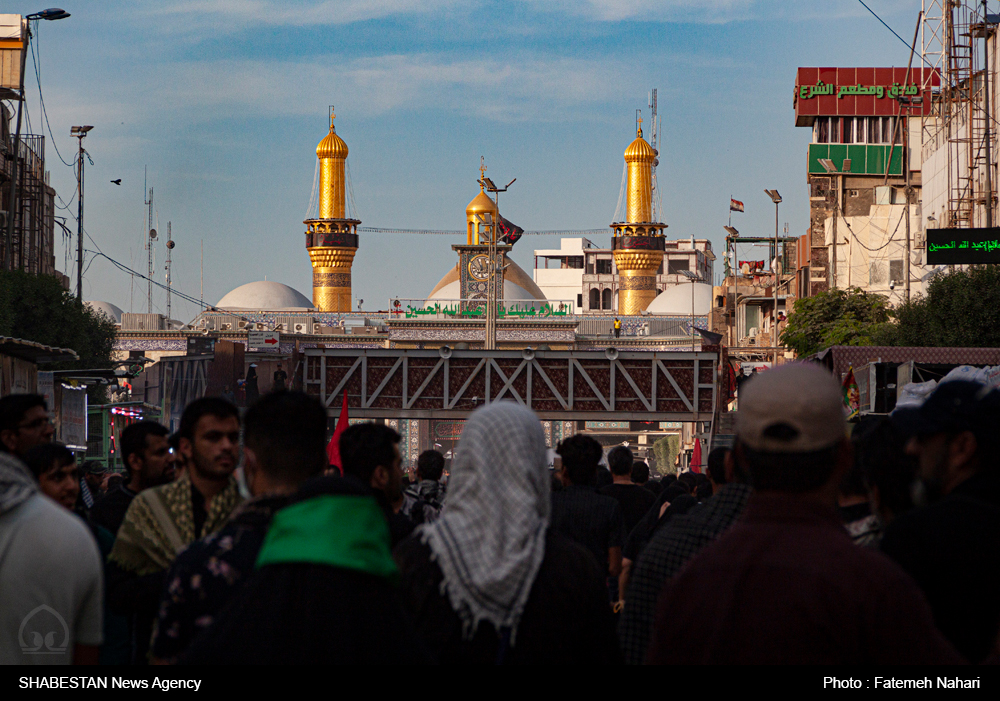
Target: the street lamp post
pixel 733 264
pixel 13 198
pixel 79 133
pixel 776 198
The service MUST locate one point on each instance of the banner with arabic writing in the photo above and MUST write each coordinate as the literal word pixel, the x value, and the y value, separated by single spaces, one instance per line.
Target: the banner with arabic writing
pixel 963 246
pixel 862 92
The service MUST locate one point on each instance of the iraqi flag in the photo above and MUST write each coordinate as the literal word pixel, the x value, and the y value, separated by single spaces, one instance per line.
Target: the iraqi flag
pixel 735 205
pixel 333 447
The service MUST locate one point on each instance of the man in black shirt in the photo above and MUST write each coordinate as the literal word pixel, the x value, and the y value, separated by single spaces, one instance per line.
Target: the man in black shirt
pixel 951 546
pixel 633 499
pixel 280 380
pixel 580 513
pixel 369 452
pixel 146 454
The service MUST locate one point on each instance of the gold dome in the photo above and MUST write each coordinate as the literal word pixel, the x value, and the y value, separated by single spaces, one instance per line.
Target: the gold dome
pixel 639 150
pixel 332 146
pixel 481 204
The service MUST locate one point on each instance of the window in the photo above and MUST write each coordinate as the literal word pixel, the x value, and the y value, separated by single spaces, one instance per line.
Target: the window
pixel 826 130
pixel 854 130
pixel 896 272
pixel 595 298
pixel 604 267
pixel 574 262
pixel 579 301
pixel 676 265
pixel 606 298
pixel 590 268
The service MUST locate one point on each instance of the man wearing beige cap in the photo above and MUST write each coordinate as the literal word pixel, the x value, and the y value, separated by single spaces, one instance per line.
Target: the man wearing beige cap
pixel 786 585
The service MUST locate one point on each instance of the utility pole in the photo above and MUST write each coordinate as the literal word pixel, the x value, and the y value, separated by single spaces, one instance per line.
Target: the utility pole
pixel 776 198
pixel 80 133
pixel 170 247
pixel 906 194
pixel 836 211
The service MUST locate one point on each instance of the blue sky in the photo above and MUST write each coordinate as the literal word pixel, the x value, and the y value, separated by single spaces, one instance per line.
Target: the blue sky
pixel 224 102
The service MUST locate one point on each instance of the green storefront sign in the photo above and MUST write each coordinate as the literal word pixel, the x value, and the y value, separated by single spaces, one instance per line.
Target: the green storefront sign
pixel 865 159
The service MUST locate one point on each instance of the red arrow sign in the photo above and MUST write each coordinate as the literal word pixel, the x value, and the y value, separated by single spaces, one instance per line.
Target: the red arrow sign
pixel 272 341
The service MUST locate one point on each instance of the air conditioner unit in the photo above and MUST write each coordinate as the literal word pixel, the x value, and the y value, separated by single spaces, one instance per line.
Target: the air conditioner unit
pixel 242 325
pixel 301 328
pixel 261 327
pixel 226 327
pixel 920 240
pixel 279 327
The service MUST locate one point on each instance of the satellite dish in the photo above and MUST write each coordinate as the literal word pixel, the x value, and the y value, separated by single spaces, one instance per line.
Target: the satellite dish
pixel 171 244
pixel 152 233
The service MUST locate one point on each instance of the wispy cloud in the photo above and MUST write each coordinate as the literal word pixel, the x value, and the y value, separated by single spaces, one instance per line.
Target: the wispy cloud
pixel 528 87
pixel 717 12
pixel 250 13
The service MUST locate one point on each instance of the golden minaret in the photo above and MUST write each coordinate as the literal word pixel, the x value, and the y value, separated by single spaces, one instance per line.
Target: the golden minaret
pixel 332 239
pixel 638 241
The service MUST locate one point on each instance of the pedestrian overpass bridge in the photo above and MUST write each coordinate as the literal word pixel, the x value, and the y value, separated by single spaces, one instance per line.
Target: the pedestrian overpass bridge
pixel 556 385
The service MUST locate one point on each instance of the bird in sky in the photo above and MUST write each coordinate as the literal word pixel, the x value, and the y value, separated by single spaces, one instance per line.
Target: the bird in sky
pixel 117 182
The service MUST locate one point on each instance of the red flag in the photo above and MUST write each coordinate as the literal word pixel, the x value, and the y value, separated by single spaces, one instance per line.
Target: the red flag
pixel 333 447
pixel 735 205
pixel 696 456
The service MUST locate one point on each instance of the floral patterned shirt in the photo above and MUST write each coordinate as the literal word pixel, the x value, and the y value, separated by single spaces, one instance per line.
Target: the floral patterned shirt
pixel 205 576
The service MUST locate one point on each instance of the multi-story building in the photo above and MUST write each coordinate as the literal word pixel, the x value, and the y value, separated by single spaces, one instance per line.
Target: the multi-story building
pixel 864 174
pixel 580 271
pixel 32 202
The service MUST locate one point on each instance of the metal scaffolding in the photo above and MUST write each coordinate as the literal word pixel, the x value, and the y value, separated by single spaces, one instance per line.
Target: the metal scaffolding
pixel 954 41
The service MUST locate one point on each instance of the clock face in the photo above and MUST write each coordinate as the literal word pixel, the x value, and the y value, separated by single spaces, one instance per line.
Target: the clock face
pixel 479 267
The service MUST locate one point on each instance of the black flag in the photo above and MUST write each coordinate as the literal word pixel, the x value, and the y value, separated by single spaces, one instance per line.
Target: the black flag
pixel 509 232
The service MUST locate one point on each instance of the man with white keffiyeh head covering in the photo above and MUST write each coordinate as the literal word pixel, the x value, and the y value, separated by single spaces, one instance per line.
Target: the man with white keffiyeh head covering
pixel 487 581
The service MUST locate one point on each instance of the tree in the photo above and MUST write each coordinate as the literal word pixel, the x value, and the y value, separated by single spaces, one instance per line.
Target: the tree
pixel 849 317
pixel 37 308
pixel 961 309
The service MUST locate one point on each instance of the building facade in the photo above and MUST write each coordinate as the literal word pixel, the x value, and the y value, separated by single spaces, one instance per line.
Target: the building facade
pixel 580 271
pixel 864 174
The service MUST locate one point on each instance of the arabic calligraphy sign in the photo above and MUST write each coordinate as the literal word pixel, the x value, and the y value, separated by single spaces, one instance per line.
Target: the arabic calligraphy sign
pixel 869 92
pixel 476 309
pixel 963 246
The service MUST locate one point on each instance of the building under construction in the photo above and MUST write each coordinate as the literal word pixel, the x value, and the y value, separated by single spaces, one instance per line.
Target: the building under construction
pixel 32 246
pixel 31 202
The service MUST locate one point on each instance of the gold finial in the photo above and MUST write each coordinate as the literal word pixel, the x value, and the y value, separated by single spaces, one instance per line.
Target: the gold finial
pixel 332 116
pixel 482 173
pixel 638 124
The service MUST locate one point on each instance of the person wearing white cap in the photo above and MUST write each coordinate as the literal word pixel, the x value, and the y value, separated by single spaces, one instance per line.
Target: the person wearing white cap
pixel 786 585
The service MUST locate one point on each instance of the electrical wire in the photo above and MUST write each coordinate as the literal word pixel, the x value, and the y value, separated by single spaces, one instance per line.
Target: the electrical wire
pixel 41 99
pixel 892 30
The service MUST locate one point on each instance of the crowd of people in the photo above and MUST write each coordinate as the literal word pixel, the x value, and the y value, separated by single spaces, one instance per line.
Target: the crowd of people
pixel 235 540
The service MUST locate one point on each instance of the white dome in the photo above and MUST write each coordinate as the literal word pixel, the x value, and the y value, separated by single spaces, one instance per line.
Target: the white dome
pixel 676 300
pixel 265 296
pixel 107 309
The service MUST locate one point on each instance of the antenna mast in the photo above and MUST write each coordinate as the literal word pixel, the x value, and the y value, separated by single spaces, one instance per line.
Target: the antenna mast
pixel 149 250
pixel 654 141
